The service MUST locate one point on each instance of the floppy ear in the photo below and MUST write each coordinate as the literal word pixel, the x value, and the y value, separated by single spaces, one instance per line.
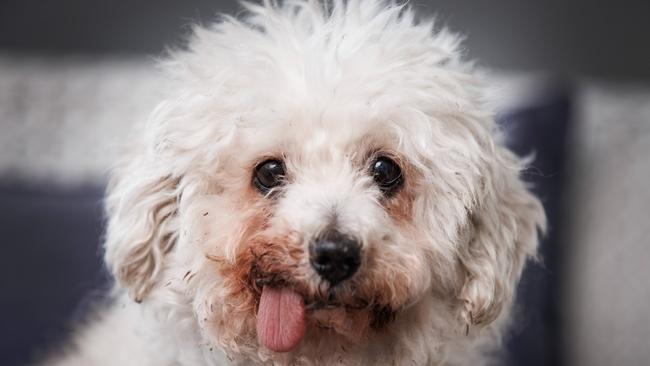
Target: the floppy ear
pixel 504 228
pixel 141 207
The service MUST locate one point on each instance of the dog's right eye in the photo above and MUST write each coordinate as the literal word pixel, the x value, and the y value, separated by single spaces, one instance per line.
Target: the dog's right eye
pixel 268 175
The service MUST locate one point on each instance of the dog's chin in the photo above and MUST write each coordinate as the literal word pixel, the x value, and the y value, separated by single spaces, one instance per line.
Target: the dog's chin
pixel 286 310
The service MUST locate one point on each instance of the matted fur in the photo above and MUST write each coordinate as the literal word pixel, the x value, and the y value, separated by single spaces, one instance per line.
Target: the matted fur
pixel 326 89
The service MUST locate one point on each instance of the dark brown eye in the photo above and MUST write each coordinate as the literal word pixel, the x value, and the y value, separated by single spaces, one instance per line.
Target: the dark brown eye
pixel 387 174
pixel 268 175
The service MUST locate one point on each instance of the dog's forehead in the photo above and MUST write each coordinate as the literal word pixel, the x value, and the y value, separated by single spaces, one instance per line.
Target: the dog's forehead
pixel 323 131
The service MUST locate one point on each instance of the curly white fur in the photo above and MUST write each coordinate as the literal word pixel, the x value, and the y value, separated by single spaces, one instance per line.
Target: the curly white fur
pixel 325 89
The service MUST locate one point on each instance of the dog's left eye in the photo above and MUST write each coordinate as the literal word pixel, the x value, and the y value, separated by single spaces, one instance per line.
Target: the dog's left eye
pixel 268 175
pixel 387 174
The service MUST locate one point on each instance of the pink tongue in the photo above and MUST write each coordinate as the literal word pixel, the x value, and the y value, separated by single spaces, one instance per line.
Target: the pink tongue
pixel 280 319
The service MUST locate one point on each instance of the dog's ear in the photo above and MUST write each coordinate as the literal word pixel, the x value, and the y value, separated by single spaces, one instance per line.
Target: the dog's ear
pixel 504 227
pixel 141 207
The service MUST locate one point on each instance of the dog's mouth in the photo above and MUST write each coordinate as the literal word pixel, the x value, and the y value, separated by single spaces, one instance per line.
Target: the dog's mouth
pixel 285 309
pixel 287 305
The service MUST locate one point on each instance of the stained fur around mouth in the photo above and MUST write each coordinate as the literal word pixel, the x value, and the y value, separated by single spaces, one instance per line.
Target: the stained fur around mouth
pixel 325 298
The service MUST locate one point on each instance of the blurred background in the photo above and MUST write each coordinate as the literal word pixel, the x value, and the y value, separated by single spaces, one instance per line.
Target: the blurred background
pixel 572 86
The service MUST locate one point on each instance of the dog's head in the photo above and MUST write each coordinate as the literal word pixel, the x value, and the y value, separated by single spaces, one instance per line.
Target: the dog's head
pixel 322 173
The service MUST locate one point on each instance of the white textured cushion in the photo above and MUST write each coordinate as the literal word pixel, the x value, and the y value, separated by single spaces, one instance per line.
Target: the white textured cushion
pixel 607 315
pixel 62 120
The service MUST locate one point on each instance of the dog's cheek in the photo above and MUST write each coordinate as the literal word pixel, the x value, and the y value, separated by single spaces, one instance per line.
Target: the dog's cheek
pixel 395 269
pixel 229 308
pixel 226 308
pixel 396 273
pixel 207 267
pixel 408 260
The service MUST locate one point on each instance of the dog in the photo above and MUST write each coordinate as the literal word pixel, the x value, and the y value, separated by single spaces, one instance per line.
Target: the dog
pixel 323 184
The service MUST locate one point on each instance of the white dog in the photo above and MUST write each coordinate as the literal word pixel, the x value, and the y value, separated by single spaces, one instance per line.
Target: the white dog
pixel 323 185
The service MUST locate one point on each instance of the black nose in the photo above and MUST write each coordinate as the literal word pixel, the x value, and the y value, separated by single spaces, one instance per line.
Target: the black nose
pixel 335 257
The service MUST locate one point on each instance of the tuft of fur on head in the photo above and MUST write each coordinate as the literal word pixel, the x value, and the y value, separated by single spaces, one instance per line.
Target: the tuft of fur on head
pixel 326 89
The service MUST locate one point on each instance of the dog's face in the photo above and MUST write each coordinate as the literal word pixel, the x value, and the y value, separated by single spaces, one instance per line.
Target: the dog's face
pixel 303 189
pixel 333 219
